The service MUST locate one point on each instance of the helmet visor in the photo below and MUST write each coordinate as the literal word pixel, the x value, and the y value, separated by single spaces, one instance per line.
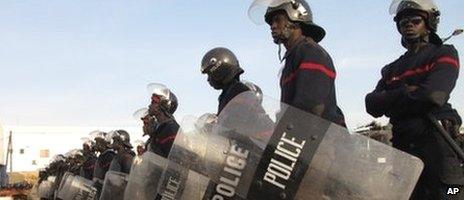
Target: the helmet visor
pixel 258 9
pixel 140 113
pixel 159 89
pixel 426 5
pixel 98 134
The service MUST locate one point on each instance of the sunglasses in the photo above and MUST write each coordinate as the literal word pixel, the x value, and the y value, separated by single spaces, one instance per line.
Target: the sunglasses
pixel 414 20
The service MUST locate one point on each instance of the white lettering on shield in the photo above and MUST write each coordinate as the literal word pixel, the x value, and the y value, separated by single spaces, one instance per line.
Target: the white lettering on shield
pixel 171 189
pixel 235 162
pixel 283 161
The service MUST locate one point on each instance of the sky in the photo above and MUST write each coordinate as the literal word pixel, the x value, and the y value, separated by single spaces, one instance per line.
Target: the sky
pixel 88 62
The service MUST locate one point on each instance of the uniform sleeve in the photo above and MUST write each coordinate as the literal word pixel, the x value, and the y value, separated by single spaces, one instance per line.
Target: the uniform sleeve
pixel 435 90
pixel 379 101
pixel 168 137
pixel 314 81
pixel 126 162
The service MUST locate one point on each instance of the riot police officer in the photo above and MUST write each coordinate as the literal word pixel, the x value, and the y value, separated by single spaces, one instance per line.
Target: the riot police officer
pixel 223 71
pixel 414 90
pixel 160 123
pixel 102 146
pixel 74 160
pixel 90 158
pixel 121 144
pixel 308 77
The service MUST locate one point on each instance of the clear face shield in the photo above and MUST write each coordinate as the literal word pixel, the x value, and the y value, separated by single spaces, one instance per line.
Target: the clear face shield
pixel 258 9
pixel 397 5
pixel 159 90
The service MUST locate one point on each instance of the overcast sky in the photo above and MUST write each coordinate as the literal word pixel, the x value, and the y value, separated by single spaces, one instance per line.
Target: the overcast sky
pixel 87 62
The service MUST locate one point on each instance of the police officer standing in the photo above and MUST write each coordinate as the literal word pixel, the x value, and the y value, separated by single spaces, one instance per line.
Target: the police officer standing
pixel 160 123
pixel 414 91
pixel 122 162
pixel 308 77
pixel 223 71
pixel 90 158
pixel 102 146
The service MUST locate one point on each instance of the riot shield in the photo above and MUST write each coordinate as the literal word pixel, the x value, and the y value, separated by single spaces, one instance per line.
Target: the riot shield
pixel 64 185
pixel 144 176
pixel 197 159
pixel 114 185
pixel 181 183
pixel 46 188
pixel 76 188
pixel 185 176
pixel 306 157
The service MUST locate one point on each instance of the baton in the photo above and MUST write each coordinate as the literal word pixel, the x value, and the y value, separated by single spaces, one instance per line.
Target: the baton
pixel 447 137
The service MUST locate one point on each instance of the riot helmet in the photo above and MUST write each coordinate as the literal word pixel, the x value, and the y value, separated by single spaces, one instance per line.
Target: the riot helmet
pixel 101 139
pixel 57 158
pixel 74 156
pixel 297 11
pixel 427 9
pixel 163 98
pixel 221 66
pixel 87 144
pixel 150 123
pixel 120 136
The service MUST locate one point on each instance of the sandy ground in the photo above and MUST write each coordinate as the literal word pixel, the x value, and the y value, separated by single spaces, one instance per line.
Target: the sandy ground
pixel 29 177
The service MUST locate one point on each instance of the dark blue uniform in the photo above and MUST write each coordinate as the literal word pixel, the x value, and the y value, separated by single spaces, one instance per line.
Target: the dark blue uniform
pixel 122 162
pixel 163 138
pixel 88 166
pixel 102 165
pixel 234 88
pixel 434 70
pixel 308 81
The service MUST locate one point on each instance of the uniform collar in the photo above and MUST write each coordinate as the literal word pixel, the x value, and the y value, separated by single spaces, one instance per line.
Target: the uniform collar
pixel 298 42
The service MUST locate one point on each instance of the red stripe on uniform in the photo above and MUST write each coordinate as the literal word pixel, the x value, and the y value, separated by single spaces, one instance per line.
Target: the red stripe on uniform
pixel 289 78
pixel 448 60
pixel 424 69
pixel 315 66
pixel 167 139
pixel 310 66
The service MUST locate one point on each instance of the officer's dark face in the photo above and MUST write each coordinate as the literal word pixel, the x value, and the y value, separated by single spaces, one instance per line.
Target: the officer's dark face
pixel 154 107
pixel 216 84
pixel 149 125
pixel 412 26
pixel 117 145
pixel 86 148
pixel 279 27
pixel 100 144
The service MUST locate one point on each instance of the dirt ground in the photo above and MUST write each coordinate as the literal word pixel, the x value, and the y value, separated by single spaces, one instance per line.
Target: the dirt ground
pixel 29 177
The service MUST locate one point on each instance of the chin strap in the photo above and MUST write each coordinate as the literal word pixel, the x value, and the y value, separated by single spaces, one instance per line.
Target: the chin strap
pixel 280 53
pixel 410 42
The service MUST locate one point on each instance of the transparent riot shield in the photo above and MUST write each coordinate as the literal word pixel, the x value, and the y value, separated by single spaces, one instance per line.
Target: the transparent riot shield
pixel 45 189
pixel 114 185
pixel 64 185
pixel 77 188
pixel 179 182
pixel 293 154
pixel 185 176
pixel 197 159
pixel 144 176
